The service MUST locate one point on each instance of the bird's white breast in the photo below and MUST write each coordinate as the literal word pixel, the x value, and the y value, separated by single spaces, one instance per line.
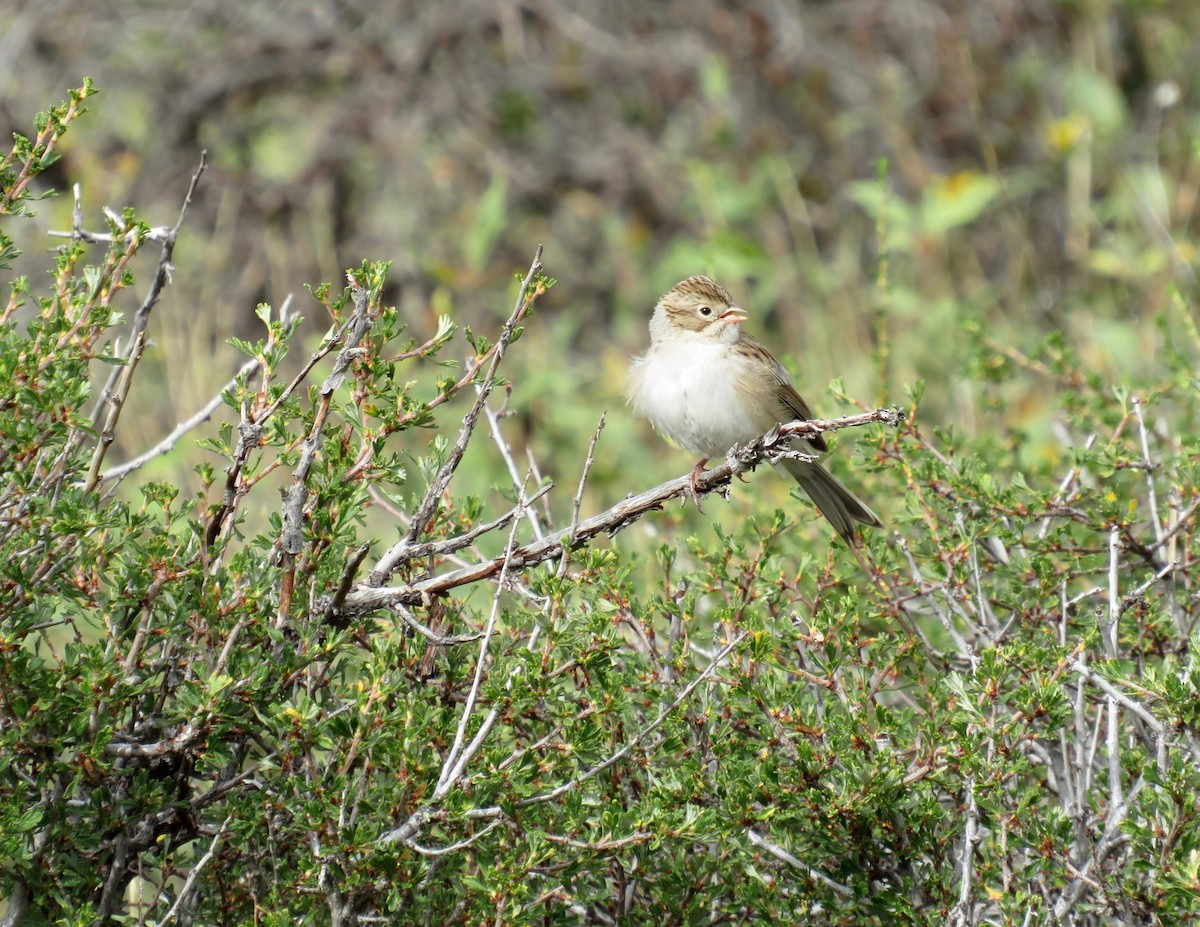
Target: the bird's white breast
pixel 691 391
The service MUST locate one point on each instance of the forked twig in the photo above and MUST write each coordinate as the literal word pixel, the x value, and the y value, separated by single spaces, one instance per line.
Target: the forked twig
pixel 117 391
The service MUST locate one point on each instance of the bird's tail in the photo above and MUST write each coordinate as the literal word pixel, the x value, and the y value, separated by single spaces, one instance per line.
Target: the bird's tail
pixel 836 502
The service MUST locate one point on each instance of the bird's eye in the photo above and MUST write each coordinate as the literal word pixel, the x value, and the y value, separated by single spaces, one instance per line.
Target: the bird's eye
pixel 706 311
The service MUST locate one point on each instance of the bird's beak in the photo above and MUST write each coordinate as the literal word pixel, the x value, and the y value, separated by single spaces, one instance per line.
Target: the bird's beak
pixel 734 315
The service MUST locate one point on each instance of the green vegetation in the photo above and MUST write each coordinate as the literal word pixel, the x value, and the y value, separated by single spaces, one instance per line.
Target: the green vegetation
pixel 375 635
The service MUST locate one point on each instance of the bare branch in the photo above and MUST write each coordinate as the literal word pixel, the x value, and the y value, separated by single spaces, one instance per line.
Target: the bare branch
pixel 454 847
pixel 335 606
pixel 420 817
pixel 741 459
pixel 602 846
pixel 449 545
pixel 187 736
pixel 251 423
pixel 1108 627
pixel 510 463
pixel 961 914
pixel 457 758
pixel 1072 893
pixel 18 905
pixel 1114 693
pixel 441 640
pixel 1148 463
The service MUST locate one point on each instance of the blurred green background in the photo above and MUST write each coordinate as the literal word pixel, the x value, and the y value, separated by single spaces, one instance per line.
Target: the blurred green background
pixel 898 190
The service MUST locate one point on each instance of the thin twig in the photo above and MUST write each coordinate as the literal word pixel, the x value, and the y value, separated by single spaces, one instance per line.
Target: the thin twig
pixel 784 856
pixel 333 610
pixel 440 640
pixel 641 735
pixel 420 519
pixel 420 817
pixel 425 511
pixel 333 338
pixel 291 538
pixel 601 846
pixel 1180 522
pixel 250 427
pixel 1061 496
pixel 194 874
pixel 454 847
pixel 1112 835
pixel 446 546
pixel 1113 692
pixel 514 475
pixel 577 502
pixel 1151 496
pixel 457 758
pixel 167 444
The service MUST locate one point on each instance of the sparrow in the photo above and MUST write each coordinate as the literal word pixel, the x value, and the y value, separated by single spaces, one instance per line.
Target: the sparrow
pixel 707 385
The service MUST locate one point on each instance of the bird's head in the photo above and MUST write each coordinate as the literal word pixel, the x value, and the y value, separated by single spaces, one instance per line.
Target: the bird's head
pixel 697 308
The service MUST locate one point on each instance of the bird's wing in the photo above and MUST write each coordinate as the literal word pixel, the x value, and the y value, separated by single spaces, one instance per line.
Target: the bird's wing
pixel 791 403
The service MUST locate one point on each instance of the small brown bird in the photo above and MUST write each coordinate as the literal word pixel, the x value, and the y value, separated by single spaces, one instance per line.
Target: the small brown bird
pixel 707 385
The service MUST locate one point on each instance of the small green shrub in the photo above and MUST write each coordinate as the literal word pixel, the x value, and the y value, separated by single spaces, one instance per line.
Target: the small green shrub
pixel 321 684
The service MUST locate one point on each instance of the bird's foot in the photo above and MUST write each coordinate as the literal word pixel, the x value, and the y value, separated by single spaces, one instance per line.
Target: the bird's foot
pixel 695 481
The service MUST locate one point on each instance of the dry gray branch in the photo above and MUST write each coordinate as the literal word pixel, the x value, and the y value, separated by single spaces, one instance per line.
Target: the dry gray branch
pixel 741 459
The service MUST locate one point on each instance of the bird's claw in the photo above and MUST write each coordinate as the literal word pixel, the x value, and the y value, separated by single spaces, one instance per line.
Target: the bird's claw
pixel 695 482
